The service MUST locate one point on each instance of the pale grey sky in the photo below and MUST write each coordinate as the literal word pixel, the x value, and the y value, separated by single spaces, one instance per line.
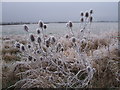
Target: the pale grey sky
pixel 57 11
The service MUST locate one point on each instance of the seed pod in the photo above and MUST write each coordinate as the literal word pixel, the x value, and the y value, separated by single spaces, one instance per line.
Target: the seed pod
pixel 26 28
pixel 47 42
pixel 58 47
pixel 88 68
pixel 29 58
pixel 66 36
pixel 83 41
pixel 22 47
pixel 82 14
pixel 82 20
pixel 41 24
pixel 29 46
pixel 38 51
pixel 39 40
pixel 35 59
pixel 91 11
pixel 38 31
pixel 73 39
pixel 62 49
pixel 70 24
pixel 86 14
pixel 41 58
pixel 45 26
pixel 53 40
pixel 17 44
pixel 91 18
pixel 32 38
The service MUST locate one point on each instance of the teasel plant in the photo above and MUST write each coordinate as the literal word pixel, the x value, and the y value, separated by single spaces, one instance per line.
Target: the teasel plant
pixel 43 54
pixel 41 26
pixel 69 25
pixel 26 29
pixel 86 19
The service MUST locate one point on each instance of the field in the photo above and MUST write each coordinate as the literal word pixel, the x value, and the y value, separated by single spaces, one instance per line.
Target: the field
pixel 71 60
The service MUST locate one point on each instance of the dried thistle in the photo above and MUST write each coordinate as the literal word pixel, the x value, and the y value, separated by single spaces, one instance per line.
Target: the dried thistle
pixel 40 23
pixel 32 38
pixel 26 28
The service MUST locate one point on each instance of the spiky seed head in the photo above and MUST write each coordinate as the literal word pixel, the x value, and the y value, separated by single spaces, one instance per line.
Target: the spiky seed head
pixel 83 41
pixel 86 14
pixel 41 58
pixel 91 11
pixel 47 42
pixel 32 38
pixel 73 39
pixel 22 47
pixel 45 26
pixel 58 46
pixel 70 24
pixel 41 24
pixel 17 44
pixel 26 28
pixel 53 40
pixel 88 68
pixel 30 58
pixel 81 30
pixel 35 59
pixel 38 31
pixel 62 49
pixel 29 46
pixel 82 20
pixel 82 14
pixel 38 51
pixel 39 40
pixel 66 36
pixel 91 18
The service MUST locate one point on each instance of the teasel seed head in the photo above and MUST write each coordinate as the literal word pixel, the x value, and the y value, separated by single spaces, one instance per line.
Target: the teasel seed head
pixel 91 11
pixel 66 36
pixel 38 51
pixel 58 46
pixel 22 47
pixel 83 41
pixel 29 46
pixel 88 68
pixel 82 20
pixel 17 44
pixel 45 26
pixel 91 18
pixel 47 42
pixel 53 40
pixel 38 31
pixel 39 40
pixel 41 58
pixel 41 24
pixel 26 28
pixel 70 24
pixel 86 14
pixel 30 58
pixel 73 39
pixel 82 14
pixel 32 38
pixel 62 49
pixel 34 59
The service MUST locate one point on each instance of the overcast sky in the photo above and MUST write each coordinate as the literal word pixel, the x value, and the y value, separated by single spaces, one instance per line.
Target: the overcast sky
pixel 57 11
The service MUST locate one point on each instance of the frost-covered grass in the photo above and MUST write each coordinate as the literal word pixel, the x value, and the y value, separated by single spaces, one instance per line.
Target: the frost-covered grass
pixel 68 61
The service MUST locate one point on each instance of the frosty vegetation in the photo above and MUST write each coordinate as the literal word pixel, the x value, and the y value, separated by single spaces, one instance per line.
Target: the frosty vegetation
pixel 70 61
